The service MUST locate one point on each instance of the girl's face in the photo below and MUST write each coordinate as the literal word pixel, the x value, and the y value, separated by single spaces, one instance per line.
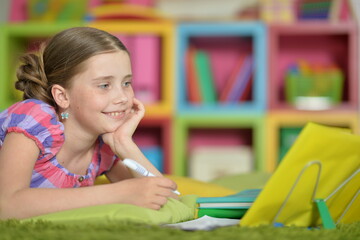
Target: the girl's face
pixel 101 96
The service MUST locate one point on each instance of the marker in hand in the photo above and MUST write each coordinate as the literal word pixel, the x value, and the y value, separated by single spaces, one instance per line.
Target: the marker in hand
pixel 137 167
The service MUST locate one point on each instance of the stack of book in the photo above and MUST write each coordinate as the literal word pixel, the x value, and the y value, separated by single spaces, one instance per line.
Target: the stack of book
pixel 333 10
pixel 232 206
pixel 314 9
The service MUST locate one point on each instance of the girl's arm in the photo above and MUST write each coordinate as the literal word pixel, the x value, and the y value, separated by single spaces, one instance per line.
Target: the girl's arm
pixel 122 144
pixel 132 151
pixel 17 200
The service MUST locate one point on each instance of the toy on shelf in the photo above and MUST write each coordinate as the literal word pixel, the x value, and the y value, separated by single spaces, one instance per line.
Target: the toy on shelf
pixel 313 87
pixel 281 11
pixel 121 11
pixel 59 10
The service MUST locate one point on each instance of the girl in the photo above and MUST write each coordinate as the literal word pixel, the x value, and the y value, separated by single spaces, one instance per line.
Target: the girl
pixel 75 123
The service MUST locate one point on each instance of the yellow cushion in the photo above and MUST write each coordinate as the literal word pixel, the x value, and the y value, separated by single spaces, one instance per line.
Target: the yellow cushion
pixel 189 186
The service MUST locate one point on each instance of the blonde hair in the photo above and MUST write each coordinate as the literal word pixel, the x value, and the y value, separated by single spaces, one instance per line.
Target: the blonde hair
pixel 59 59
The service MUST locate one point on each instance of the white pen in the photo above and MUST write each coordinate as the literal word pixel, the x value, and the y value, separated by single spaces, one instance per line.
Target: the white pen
pixel 137 167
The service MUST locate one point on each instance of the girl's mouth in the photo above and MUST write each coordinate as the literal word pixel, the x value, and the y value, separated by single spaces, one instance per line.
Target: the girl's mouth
pixel 115 115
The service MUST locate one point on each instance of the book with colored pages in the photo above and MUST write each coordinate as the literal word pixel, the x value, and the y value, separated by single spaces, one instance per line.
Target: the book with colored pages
pixel 235 213
pixel 231 206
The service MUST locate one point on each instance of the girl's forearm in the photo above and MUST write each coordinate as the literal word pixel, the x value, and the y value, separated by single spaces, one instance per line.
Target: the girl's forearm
pixel 32 202
pixel 132 151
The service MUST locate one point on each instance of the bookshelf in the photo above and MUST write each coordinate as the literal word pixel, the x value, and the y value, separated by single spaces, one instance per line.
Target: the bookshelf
pixel 173 124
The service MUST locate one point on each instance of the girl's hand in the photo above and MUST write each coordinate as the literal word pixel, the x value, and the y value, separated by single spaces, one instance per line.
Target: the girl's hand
pixel 149 192
pixel 125 132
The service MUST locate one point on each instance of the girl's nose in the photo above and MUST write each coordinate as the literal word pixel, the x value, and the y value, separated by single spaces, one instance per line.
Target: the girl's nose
pixel 120 97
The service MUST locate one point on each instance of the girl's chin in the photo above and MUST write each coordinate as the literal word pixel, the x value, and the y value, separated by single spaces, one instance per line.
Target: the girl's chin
pixel 112 127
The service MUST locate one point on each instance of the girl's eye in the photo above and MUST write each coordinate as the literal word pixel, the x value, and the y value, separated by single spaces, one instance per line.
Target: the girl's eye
pixel 104 86
pixel 127 84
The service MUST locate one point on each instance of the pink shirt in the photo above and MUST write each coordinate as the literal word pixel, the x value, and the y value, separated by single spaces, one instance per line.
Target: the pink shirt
pixel 38 121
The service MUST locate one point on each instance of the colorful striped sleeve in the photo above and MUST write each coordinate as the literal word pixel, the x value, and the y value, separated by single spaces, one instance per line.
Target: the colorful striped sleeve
pixel 36 120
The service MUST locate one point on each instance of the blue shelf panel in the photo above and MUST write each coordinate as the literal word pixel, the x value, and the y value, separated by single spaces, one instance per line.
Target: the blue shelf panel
pixel 256 31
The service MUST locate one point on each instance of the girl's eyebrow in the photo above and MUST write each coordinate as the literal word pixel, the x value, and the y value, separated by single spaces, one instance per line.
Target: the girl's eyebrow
pixel 102 78
pixel 129 76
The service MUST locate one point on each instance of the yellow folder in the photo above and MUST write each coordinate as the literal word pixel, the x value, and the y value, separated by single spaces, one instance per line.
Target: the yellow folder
pixel 288 197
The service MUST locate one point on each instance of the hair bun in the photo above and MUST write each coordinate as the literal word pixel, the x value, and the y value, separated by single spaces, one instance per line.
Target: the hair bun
pixel 31 77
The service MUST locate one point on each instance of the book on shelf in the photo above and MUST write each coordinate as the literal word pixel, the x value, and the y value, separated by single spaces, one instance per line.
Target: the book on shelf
pixel 240 85
pixel 192 81
pixel 346 10
pixel 205 76
pixel 315 9
pixel 247 94
pixel 232 79
pixel 231 206
pixel 343 10
pixel 235 76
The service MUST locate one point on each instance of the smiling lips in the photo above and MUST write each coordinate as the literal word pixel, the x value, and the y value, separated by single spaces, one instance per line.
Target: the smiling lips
pixel 115 115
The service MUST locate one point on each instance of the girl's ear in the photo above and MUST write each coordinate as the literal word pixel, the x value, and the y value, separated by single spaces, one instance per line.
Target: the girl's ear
pixel 60 96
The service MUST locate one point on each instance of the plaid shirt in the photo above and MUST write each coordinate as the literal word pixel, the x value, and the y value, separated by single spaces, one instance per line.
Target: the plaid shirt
pixel 38 121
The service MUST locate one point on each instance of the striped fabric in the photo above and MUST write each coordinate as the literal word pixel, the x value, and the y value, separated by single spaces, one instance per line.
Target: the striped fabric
pixel 38 121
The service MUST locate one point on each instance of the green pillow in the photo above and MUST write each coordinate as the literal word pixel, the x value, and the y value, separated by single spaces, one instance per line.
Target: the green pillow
pixel 172 212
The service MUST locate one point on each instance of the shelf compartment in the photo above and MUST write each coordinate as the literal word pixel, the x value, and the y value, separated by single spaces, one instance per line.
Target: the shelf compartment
pixel 215 130
pixel 315 43
pixel 153 135
pixel 224 43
